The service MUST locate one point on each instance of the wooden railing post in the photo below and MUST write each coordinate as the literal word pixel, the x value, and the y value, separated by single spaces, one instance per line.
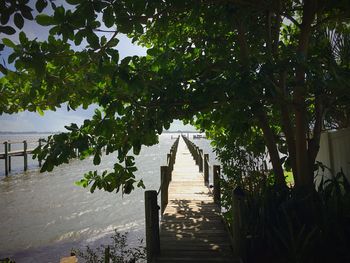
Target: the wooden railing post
pixel 164 182
pixel 172 158
pixel 168 159
pixel 206 169
pixel 195 153
pixel 6 158
pixel 200 160
pixel 152 225
pixel 237 224
pixel 216 182
pixel 25 155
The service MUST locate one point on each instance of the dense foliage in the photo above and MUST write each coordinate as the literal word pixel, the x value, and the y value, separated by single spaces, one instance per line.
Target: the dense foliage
pixel 279 225
pixel 269 73
pixel 260 77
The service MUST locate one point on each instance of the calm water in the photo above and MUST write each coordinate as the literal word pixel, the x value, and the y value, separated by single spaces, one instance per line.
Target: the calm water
pixel 44 215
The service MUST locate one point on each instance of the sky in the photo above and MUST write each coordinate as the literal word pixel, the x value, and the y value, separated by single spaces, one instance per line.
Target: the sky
pixel 55 121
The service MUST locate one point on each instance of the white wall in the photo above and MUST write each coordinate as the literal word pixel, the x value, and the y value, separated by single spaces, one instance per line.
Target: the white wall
pixel 335 152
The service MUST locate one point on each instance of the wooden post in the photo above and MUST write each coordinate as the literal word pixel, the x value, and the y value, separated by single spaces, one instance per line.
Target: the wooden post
pixel 9 162
pixel 40 148
pixel 237 224
pixel 171 159
pixel 216 181
pixel 168 158
pixel 206 169
pixel 25 155
pixel 201 160
pixel 152 225
pixel 6 159
pixel 107 255
pixel 196 155
pixel 164 180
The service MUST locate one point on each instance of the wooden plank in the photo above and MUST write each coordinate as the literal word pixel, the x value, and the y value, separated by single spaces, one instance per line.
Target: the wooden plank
pixel 16 153
pixel 191 228
pixel 72 259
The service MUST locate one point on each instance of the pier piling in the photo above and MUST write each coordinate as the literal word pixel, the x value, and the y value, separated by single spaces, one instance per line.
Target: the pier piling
pixel 6 157
pixel 25 155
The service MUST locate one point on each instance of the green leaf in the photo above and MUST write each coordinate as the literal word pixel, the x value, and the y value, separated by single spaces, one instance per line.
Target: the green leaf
pixel 8 42
pixel 152 52
pixel 137 148
pixel 139 28
pixel 26 12
pixel 73 2
pixel 23 38
pixel 83 182
pixel 93 187
pixel 3 70
pixel 19 21
pixel 72 127
pixel 79 37
pixel 141 184
pixel 128 187
pixel 113 42
pixel 93 40
pixel 4 18
pixel 44 20
pixel 167 125
pixel 40 5
pixel 108 16
pixel 97 159
pixel 7 30
pixel 40 111
pixel 12 58
pixel 114 54
pixel 59 14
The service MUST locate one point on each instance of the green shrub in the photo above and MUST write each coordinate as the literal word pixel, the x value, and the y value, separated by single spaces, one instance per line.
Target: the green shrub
pixel 117 252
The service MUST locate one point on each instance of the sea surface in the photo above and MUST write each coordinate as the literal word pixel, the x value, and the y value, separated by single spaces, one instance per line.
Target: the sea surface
pixel 44 215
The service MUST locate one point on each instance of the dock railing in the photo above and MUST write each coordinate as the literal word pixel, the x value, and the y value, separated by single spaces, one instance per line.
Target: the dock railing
pixel 152 208
pixel 202 160
pixel 9 153
pixel 236 226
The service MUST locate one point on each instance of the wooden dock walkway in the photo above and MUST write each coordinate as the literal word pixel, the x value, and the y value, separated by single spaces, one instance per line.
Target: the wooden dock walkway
pixel 15 153
pixel 191 229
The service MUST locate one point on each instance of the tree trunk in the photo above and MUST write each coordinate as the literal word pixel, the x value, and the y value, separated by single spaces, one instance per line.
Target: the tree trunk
pixel 305 178
pixel 314 144
pixel 271 146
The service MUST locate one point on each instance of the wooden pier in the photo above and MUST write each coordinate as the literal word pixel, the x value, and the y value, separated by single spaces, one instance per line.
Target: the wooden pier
pixel 191 228
pixel 8 154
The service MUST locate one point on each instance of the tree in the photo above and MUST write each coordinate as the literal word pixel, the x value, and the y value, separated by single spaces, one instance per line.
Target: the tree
pixel 268 64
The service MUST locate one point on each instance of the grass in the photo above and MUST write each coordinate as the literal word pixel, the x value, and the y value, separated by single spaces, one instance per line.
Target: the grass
pixel 289 178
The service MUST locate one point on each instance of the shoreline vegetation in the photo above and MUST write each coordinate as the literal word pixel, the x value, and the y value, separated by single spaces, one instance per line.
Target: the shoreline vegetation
pixel 117 250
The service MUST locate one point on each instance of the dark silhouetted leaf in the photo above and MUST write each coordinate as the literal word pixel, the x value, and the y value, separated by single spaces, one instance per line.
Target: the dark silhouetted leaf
pixel 40 5
pixel 19 21
pixel 7 30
